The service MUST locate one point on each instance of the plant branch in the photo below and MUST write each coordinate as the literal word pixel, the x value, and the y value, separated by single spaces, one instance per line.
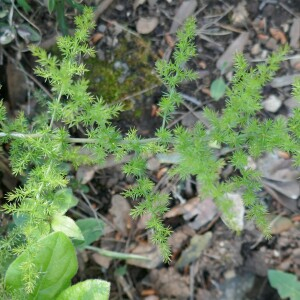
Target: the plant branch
pixel 70 140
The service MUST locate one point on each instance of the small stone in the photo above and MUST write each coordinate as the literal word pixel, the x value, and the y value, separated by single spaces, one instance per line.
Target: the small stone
pixel 152 297
pixel 146 25
pixel 296 256
pixel 285 265
pixel 229 274
pixel 264 54
pixel 153 164
pixel 296 252
pixel 256 49
pixel 100 54
pixel 272 103
pixel 119 7
pixel 271 44
pixel 101 28
pixel 292 103
pixel 112 181
pixel 285 27
pixel 295 63
pixel 283 242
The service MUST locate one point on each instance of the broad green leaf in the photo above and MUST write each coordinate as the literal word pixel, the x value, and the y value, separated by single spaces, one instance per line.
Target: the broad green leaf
pixel 51 5
pixel 28 34
pixel 3 13
pixel 64 200
pixel 67 226
pixel 91 229
pixel 20 219
pixel 55 258
pixel 60 16
pixel 93 289
pixel 7 34
pixel 24 4
pixel 286 284
pixel 218 88
pixel 76 5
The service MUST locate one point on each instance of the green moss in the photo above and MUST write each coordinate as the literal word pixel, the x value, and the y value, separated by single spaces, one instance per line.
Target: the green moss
pixel 106 79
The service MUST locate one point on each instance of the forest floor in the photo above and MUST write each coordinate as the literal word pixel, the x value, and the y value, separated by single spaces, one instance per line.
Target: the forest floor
pixel 209 261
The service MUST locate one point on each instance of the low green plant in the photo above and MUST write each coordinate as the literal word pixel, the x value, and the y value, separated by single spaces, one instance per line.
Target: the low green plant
pixel 286 284
pixel 58 7
pixel 38 245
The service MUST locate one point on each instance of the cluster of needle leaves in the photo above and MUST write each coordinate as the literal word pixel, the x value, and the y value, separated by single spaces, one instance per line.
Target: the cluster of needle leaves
pixel 40 149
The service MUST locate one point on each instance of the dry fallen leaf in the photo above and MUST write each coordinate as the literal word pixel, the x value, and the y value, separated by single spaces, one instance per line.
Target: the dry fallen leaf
pixel 16 84
pixel 291 189
pixel 146 25
pixel 120 210
pixel 225 61
pixel 278 35
pixel 279 224
pixel 101 260
pixel 280 179
pixel 240 14
pixel 85 174
pixel 169 283
pixel 180 236
pixel 137 3
pixel 170 41
pixel 284 80
pixel 148 251
pixel 238 209
pixel 197 245
pixel 295 33
pixel 96 37
pixel 185 10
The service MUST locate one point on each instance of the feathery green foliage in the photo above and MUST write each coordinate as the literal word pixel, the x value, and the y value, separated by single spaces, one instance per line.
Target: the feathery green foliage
pixel 38 150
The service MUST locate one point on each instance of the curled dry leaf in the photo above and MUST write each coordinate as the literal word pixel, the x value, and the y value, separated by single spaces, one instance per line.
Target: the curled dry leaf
pixel 96 37
pixel 146 25
pixel 170 41
pixel 280 179
pixel 278 35
pixel 199 213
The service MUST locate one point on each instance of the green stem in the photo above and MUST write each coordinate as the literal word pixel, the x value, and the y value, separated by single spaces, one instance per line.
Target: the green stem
pixel 117 255
pixel 69 140
pixel 54 112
